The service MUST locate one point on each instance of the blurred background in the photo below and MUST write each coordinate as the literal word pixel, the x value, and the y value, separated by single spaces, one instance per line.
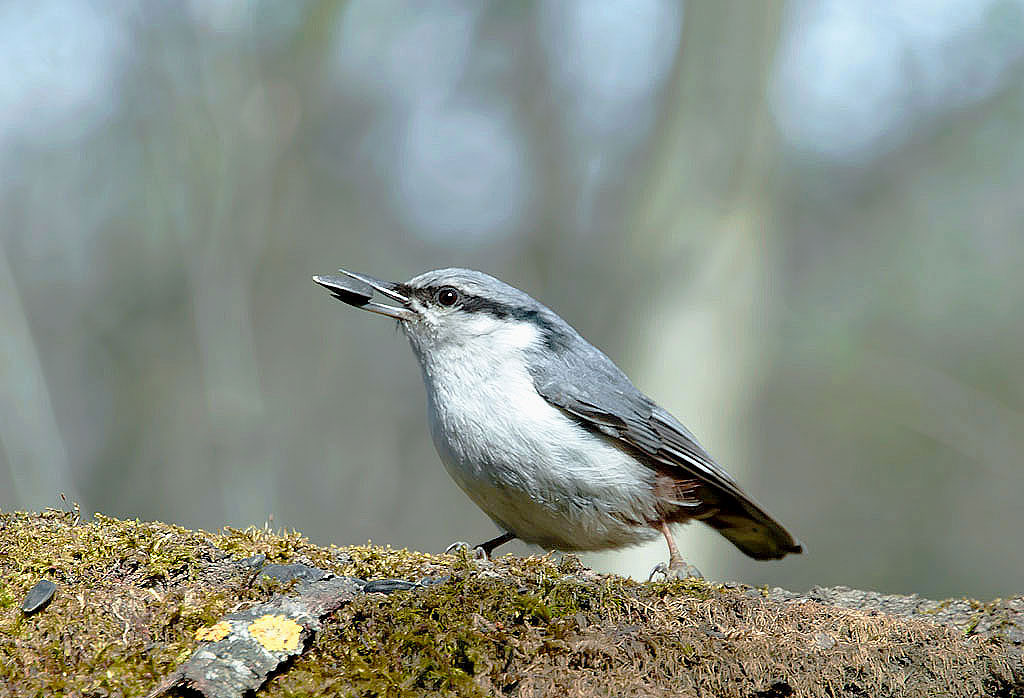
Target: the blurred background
pixel 798 226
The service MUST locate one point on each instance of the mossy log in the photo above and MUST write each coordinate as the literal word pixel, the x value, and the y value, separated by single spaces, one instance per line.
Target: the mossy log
pixel 136 603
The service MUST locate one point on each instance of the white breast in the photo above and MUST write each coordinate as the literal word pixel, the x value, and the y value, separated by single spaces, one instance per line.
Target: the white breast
pixel 529 466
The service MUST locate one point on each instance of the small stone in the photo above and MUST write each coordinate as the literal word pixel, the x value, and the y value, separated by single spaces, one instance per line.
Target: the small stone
pixel 252 562
pixel 38 596
pixel 286 573
pixel 294 571
pixel 433 581
pixel 824 641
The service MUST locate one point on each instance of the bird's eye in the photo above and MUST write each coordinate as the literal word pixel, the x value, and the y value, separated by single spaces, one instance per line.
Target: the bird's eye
pixel 448 296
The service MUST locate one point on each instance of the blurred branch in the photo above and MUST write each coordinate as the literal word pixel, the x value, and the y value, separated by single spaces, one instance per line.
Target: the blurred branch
pixel 36 454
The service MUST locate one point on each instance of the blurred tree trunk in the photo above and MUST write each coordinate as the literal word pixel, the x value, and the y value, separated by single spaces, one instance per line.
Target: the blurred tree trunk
pixel 702 228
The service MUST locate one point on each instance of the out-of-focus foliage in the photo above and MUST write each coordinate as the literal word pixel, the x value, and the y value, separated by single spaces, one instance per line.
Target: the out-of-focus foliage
pixel 798 226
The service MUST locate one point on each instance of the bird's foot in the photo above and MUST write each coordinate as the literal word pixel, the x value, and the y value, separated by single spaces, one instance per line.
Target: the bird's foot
pixel 675 569
pixel 477 553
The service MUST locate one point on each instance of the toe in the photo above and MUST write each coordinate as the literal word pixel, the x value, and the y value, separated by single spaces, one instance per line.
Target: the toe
pixel 679 570
pixel 690 572
pixel 661 568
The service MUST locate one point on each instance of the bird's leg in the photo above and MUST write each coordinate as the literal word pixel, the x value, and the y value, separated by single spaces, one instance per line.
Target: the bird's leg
pixel 484 550
pixel 677 567
pixel 489 546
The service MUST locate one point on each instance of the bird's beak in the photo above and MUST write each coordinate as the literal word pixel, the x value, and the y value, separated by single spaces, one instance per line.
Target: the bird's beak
pixel 357 289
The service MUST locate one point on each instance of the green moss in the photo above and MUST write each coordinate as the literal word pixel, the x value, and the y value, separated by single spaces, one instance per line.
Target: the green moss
pixel 436 639
pixel 6 597
pixel 458 637
pixel 972 625
pixel 130 596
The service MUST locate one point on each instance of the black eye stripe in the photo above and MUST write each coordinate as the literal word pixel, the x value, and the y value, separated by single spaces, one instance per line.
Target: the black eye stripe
pixel 555 338
pixel 471 303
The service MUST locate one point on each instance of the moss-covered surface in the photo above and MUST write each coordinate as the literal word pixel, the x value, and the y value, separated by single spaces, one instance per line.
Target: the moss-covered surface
pixel 132 595
pixel 130 598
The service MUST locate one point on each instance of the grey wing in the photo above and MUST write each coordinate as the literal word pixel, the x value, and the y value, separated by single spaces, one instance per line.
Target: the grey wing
pixel 590 388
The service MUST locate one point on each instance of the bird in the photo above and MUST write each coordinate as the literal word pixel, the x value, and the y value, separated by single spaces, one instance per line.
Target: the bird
pixel 546 434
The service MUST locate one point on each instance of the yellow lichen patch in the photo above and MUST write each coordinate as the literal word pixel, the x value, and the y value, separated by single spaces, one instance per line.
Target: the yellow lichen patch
pixel 276 633
pixel 217 631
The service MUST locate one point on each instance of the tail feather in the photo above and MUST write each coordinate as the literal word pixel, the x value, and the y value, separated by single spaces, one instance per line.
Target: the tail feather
pixel 751 529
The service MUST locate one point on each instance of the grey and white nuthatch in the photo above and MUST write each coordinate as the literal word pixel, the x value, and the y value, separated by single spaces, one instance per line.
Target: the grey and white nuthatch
pixel 545 434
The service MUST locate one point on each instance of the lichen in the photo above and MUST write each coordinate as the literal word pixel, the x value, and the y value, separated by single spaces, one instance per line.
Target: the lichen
pixel 212 633
pixel 276 632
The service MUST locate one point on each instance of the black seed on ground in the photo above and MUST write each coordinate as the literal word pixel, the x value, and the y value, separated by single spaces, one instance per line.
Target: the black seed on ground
pixel 386 586
pixel 38 596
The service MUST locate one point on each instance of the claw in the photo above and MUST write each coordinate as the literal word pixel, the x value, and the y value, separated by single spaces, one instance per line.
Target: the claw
pixel 477 553
pixel 660 568
pixel 681 570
